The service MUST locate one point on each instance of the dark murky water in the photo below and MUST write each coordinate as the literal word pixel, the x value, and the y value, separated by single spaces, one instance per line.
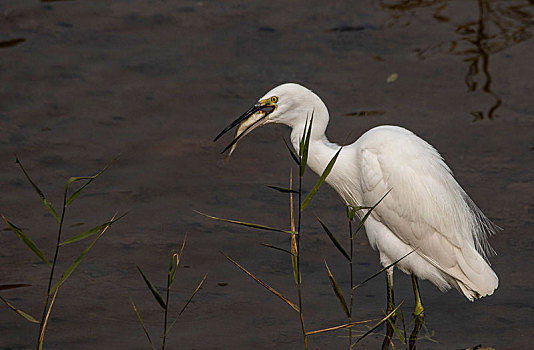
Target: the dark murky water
pixel 156 80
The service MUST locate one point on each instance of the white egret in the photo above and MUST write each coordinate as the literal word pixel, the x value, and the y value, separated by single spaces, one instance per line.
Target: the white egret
pixel 426 210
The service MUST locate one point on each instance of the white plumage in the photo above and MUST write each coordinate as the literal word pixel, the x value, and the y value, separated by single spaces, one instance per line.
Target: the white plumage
pixel 425 210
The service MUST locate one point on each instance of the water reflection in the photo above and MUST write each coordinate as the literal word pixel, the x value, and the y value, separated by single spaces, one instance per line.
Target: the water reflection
pixel 499 25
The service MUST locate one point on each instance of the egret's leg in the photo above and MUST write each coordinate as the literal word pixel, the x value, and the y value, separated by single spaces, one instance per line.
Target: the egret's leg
pixel 391 299
pixel 390 307
pixel 419 309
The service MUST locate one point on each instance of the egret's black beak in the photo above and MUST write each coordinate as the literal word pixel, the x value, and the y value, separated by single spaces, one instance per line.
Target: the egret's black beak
pixel 259 107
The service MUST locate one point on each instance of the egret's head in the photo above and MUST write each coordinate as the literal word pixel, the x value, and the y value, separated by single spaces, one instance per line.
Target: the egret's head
pixel 288 104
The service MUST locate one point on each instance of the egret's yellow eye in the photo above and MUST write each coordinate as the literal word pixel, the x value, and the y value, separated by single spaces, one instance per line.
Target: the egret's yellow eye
pixel 274 99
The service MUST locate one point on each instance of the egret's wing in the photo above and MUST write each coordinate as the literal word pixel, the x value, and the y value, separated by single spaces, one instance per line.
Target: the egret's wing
pixel 426 207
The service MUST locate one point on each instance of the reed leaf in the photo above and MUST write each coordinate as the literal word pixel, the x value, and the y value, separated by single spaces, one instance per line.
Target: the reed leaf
pixel 382 270
pixel 18 311
pixel 320 181
pixel 362 221
pixel 351 211
pixel 397 331
pixel 283 189
pixel 196 290
pixel 45 201
pixel 265 285
pixel 91 231
pixel 337 291
pixel 193 295
pixel 142 325
pixel 343 326
pixel 178 259
pixel 89 178
pixel 261 227
pixel 78 260
pixel 45 322
pixel 378 324
pixel 173 268
pixel 294 155
pixel 275 248
pixel 334 240
pixel 153 289
pixel 305 146
pixel 13 286
pixel 175 262
pixel 26 240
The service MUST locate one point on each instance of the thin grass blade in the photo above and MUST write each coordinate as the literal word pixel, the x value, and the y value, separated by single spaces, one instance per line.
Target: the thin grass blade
pixel 382 270
pixel 92 231
pixel 196 290
pixel 265 285
pixel 173 267
pixel 400 314
pixel 337 291
pixel 193 295
pixel 283 189
pixel 362 221
pixel 294 155
pixel 90 178
pixel 78 260
pixel 397 331
pixel 334 240
pixel 378 324
pixel 13 286
pixel 26 240
pixel 178 258
pixel 142 325
pixel 41 337
pixel 321 180
pixel 343 326
pixel 47 204
pixel 153 289
pixel 19 312
pixel 261 227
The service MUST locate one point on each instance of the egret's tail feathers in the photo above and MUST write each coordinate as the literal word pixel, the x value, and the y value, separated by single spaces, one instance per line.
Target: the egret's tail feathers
pixel 478 286
pixel 472 294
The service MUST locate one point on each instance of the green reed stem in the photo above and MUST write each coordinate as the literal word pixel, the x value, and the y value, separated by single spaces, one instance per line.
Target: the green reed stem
pixel 351 281
pixel 40 337
pixel 298 266
pixel 166 311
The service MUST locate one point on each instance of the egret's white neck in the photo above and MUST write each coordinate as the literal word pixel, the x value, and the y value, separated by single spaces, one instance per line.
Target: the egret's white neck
pixel 320 150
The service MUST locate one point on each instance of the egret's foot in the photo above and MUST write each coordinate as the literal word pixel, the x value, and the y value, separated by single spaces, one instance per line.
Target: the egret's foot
pixel 419 311
pixel 419 320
